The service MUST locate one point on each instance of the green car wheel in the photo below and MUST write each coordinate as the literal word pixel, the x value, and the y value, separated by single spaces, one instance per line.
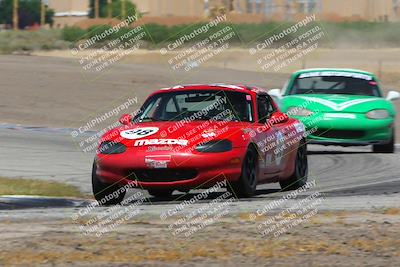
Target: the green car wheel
pixel 385 148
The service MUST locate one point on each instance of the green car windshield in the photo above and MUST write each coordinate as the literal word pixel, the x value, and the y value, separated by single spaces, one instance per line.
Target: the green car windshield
pixel 324 84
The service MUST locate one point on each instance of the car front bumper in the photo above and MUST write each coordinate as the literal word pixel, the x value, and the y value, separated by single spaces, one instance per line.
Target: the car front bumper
pixel 355 129
pixel 182 171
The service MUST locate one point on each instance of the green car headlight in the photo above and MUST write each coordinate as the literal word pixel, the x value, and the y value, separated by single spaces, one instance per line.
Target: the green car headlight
pixel 215 146
pixel 377 114
pixel 108 147
pixel 297 111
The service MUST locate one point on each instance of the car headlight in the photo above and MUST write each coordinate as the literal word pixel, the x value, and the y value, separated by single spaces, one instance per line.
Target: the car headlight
pixel 377 114
pixel 109 147
pixel 215 146
pixel 297 111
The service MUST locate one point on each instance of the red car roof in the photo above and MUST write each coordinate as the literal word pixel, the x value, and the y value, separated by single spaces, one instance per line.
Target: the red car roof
pixel 217 86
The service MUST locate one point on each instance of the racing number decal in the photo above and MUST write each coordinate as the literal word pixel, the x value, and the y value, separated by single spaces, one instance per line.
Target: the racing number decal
pixel 142 132
pixel 139 132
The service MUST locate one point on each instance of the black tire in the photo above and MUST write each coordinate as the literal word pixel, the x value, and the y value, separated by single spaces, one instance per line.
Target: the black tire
pixel 386 148
pixel 300 174
pixel 104 193
pixel 247 183
pixel 160 193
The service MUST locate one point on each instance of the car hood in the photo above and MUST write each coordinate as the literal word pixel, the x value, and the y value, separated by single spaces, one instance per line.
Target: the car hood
pixel 194 132
pixel 336 103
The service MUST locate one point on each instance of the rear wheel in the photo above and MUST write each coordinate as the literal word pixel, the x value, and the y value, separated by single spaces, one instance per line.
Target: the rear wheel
pixel 386 148
pixel 300 174
pixel 246 186
pixel 106 194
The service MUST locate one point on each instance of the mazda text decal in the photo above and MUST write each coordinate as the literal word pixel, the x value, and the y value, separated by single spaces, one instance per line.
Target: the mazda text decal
pixel 150 142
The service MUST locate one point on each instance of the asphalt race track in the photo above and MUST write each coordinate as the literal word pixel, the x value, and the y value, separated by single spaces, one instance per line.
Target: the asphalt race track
pixel 360 201
pixel 340 173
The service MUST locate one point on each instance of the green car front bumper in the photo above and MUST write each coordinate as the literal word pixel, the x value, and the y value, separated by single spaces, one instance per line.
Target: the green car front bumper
pixel 347 129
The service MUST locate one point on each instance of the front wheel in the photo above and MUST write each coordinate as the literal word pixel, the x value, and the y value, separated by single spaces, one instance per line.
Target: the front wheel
pixel 300 174
pixel 106 194
pixel 386 148
pixel 160 193
pixel 246 186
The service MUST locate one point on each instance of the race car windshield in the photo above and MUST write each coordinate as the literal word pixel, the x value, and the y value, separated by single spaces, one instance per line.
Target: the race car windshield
pixel 362 85
pixel 196 106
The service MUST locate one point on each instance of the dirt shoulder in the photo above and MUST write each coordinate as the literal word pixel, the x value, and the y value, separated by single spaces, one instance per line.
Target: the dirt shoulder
pixel 328 239
pixel 55 91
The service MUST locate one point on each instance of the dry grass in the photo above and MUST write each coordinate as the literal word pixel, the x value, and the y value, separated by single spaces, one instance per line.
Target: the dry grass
pixel 147 241
pixel 219 250
pixel 391 211
pixel 18 186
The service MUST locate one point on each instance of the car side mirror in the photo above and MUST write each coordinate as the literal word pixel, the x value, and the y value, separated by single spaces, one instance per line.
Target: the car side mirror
pixel 278 117
pixel 392 95
pixel 125 119
pixel 275 93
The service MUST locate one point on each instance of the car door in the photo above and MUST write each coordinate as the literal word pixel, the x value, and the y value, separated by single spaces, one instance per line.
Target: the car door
pixel 283 136
pixel 266 137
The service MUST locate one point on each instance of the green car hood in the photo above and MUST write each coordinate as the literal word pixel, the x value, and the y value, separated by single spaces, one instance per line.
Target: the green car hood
pixel 336 103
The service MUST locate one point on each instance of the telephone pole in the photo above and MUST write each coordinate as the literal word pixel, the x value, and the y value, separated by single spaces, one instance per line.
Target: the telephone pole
pixel 109 9
pixel 15 14
pixel 123 9
pixel 96 8
pixel 42 14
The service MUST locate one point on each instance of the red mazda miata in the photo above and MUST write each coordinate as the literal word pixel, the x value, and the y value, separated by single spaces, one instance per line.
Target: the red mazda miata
pixel 194 136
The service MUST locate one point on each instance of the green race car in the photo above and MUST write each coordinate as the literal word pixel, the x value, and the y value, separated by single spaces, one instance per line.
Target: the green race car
pixel 340 107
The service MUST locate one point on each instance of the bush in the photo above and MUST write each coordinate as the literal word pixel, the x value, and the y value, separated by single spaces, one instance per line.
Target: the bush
pixel 11 41
pixel 346 34
pixel 364 34
pixel 72 34
pixel 158 33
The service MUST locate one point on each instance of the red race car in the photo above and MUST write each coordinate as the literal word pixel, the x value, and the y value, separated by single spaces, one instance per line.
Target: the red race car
pixel 194 136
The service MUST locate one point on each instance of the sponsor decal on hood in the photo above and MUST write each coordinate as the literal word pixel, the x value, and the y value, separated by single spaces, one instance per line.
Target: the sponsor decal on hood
pixel 152 142
pixel 336 106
